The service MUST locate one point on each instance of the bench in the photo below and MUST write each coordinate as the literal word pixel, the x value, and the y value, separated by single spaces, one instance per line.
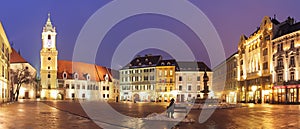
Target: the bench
pixel 181 109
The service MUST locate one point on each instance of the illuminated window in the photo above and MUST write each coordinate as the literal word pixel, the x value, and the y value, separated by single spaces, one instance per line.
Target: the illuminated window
pixel 292 44
pixel 189 87
pixel 292 76
pixel 198 87
pixel 171 72
pixel 166 72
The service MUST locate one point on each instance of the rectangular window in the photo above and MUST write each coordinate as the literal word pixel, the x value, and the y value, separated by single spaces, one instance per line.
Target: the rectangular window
pixel 107 88
pixel 265 65
pixel 292 76
pixel 166 72
pixel 103 88
pixel 292 44
pixel 180 88
pixel 171 72
pixel 180 78
pixel 198 78
pixel 189 87
pixel 107 95
pixel 83 95
pixel 72 86
pixel 292 61
pixel 145 78
pixel 279 78
pixel 198 88
pixel 78 86
pixel 83 86
pixel 67 86
pixel 265 52
pixel 103 95
pixel 166 89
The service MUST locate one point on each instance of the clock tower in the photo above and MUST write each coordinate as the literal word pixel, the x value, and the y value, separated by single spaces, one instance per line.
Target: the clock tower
pixel 48 55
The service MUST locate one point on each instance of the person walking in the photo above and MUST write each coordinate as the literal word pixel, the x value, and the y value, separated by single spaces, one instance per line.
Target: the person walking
pixel 170 109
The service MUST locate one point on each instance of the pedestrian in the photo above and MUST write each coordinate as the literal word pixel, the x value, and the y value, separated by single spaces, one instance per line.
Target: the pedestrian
pixel 170 109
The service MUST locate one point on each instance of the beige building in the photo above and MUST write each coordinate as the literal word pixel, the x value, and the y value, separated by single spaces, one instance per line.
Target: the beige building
pixel 4 66
pixel 228 85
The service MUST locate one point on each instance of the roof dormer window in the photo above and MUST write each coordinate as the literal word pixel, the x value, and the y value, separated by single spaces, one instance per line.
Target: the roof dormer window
pixel 65 75
pixel 88 77
pixel 75 76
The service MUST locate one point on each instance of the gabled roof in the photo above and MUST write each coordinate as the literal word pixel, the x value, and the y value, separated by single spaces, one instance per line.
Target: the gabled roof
pixel 192 66
pixel 96 73
pixel 15 57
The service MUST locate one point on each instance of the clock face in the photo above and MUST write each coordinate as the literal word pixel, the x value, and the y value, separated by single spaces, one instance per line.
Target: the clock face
pixel 49 44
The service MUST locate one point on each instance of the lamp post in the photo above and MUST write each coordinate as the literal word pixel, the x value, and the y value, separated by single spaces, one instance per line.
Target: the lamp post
pixel 205 80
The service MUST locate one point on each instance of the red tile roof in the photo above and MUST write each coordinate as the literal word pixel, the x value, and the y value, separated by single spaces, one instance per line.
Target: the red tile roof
pixel 15 57
pixel 96 73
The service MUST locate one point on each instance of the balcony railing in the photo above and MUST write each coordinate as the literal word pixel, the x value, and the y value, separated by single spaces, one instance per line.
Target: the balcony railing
pixel 279 68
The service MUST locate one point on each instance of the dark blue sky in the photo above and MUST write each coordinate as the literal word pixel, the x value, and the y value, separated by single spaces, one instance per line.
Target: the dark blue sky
pixel 23 22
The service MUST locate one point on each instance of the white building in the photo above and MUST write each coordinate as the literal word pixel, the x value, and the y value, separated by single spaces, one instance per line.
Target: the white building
pixel 189 80
pixel 27 90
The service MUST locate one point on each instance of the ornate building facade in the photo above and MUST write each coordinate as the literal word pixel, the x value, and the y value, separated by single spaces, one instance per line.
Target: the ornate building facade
pixel 255 63
pixel 286 62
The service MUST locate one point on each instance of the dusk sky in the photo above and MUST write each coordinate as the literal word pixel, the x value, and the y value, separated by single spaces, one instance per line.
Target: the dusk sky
pixel 23 22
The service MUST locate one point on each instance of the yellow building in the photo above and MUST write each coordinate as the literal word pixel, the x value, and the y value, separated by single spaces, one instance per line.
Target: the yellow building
pixel 4 66
pixel 255 63
pixel 165 77
pixel 48 54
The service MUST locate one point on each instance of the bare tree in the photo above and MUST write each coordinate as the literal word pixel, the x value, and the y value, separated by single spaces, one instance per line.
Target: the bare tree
pixel 20 76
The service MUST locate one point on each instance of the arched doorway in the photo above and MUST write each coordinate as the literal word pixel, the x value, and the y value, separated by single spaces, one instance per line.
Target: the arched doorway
pixel 117 99
pixel 60 96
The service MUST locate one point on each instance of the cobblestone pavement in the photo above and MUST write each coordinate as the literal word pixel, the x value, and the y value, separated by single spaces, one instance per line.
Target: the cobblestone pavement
pixel 37 115
pixel 68 114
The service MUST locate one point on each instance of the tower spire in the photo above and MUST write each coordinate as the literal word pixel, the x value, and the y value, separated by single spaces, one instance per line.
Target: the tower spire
pixel 48 25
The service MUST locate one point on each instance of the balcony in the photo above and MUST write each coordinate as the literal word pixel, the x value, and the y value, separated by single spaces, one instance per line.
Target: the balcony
pixel 279 68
